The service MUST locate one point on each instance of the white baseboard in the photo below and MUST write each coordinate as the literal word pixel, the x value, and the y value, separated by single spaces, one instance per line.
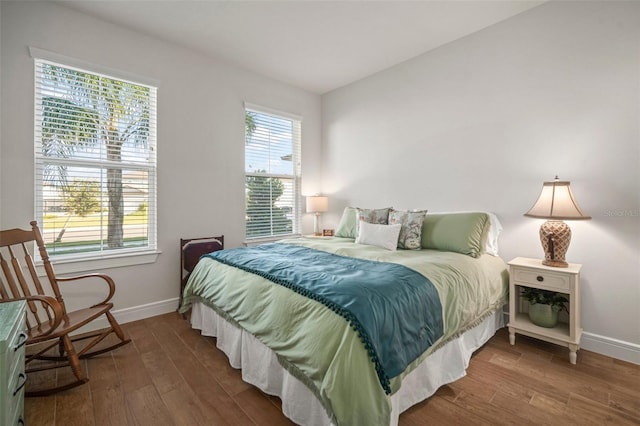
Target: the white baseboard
pixel 603 345
pixel 145 311
pixel 608 346
pixel 136 313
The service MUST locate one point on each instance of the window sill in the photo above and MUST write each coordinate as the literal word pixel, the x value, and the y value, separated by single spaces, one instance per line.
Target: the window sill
pixel 86 264
pixel 256 241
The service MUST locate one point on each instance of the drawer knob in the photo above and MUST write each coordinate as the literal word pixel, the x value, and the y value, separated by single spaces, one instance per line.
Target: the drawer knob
pixel 540 278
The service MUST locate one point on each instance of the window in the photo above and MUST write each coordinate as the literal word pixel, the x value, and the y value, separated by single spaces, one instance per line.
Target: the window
pixel 95 155
pixel 272 173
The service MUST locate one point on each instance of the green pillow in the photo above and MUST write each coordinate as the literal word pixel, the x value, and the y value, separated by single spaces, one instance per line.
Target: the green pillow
pixel 464 233
pixel 347 225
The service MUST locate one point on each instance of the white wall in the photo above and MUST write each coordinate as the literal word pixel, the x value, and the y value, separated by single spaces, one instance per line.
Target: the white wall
pixel 200 133
pixel 482 122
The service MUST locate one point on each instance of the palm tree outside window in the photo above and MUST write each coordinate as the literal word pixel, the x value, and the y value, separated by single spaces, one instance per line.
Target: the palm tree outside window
pixel 95 155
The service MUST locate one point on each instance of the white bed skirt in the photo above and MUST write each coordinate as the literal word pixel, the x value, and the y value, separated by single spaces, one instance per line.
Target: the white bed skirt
pixel 261 368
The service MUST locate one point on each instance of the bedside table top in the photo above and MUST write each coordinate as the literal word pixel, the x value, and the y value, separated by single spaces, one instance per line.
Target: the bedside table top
pixel 573 268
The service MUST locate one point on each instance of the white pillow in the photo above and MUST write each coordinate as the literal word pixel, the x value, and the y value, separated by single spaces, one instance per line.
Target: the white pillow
pixel 494 233
pixel 385 236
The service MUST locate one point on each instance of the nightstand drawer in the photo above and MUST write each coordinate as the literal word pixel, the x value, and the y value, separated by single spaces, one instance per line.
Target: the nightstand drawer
pixel 525 276
pixel 17 379
pixel 15 398
pixel 15 351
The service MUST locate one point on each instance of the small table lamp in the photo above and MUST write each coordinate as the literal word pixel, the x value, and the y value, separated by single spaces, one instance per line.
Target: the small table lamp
pixel 556 203
pixel 317 204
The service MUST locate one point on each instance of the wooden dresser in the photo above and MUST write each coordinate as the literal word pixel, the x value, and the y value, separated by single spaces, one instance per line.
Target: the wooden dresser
pixel 12 374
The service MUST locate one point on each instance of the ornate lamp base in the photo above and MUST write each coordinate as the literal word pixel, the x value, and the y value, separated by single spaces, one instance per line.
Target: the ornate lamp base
pixel 555 236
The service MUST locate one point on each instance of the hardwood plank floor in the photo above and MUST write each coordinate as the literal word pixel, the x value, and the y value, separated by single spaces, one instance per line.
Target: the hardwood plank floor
pixel 170 375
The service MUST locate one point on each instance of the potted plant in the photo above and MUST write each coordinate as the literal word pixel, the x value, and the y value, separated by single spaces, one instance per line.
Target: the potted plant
pixel 544 305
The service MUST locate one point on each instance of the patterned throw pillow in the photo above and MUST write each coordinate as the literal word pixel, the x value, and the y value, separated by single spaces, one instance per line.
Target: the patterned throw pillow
pixel 411 231
pixel 376 216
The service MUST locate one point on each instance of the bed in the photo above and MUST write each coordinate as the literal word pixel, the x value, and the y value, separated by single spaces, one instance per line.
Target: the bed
pixel 329 366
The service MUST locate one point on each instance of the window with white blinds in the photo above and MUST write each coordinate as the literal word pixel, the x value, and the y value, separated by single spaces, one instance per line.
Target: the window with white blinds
pixel 272 173
pixel 95 155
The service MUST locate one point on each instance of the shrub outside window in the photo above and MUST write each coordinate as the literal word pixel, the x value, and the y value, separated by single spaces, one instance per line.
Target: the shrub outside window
pixel 272 173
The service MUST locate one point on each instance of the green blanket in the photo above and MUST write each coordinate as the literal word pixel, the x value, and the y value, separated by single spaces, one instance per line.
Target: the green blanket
pixel 318 346
pixel 394 309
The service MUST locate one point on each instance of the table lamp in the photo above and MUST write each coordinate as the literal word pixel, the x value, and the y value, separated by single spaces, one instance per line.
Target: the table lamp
pixel 317 204
pixel 556 203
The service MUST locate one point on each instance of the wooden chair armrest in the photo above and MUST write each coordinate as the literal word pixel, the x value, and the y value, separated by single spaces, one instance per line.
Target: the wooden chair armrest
pixel 53 304
pixel 106 278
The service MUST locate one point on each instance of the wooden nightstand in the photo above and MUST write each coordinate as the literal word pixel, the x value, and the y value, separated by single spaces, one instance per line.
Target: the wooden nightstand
pixel 524 272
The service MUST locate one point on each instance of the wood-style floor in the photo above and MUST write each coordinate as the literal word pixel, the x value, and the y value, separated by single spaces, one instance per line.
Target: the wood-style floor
pixel 170 375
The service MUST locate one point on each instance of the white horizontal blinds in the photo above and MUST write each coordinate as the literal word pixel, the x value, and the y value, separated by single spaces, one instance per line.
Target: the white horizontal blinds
pixel 95 151
pixel 272 170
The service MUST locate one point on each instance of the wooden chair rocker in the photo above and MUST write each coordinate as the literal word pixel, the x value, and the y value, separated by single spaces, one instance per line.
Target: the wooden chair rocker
pixel 48 322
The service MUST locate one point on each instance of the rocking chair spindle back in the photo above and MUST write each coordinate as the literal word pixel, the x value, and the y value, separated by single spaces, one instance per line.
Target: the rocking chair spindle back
pixel 48 322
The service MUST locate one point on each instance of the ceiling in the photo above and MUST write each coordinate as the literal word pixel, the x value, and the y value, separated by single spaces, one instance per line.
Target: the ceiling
pixel 315 45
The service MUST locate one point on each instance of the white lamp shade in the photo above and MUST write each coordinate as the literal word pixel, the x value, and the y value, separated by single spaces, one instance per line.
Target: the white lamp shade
pixel 317 204
pixel 556 202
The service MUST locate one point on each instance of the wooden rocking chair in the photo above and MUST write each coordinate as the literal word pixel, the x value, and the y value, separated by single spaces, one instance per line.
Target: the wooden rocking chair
pixel 48 322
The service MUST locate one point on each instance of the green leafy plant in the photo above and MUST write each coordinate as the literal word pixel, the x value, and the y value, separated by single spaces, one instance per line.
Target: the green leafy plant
pixel 545 297
pixel 82 197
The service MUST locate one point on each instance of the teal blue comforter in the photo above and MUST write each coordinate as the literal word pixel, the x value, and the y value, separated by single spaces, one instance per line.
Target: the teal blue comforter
pixel 395 310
